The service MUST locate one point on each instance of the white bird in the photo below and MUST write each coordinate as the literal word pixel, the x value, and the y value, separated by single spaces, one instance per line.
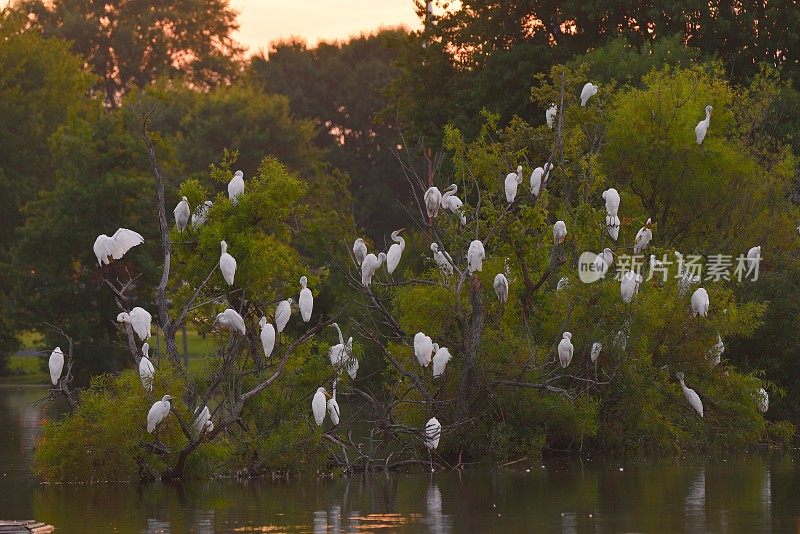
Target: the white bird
pixel 475 256
pixel 596 348
pixel 351 365
pixel 643 237
pixel 203 420
pixel 700 302
pixel 763 400
pixel 338 353
pixel 319 404
pixel 333 409
pixel 359 250
pixel 550 115
pixel 423 348
pixel 559 232
pixel 283 312
pixel 588 91
pixel 440 359
pixel 227 264
pixel 140 319
pixel 753 259
pixel 452 203
pixel 536 181
pixel 565 349
pixel 147 373
pixel 702 127
pixel 267 336
pixel 182 213
pixel 231 320
pixel 442 259
pixel 602 262
pixel 158 412
pixel 56 365
pixel 200 215
pixel 368 267
pixel 433 432
pixel 611 197
pixel 513 179
pixel 236 186
pixel 116 246
pixel 501 287
pixel 691 395
pixel 715 353
pixel 563 282
pixel 629 285
pixel 395 251
pixel 306 300
pixel 433 199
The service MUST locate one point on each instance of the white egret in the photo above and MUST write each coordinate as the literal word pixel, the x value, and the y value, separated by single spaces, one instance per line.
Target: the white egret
pixel 753 259
pixel 563 283
pixel 200 215
pixel 337 352
pixel 56 365
pixel 351 364
pixel 423 349
pixel 158 412
pixel 565 349
pixel 433 199
pixel 588 91
pixel 475 256
pixel 714 354
pixel 442 259
pixel 333 408
pixel 305 301
pixel 227 264
pixel 201 423
pixel 359 250
pixel 629 285
pixel 368 267
pixel 433 432
pixel 559 232
pixel 501 287
pixel 643 237
pixel 267 336
pixel 611 196
pixel 283 312
pixel 147 372
pixel 596 348
pixel 513 179
pixel 691 395
pixel 231 320
pixel 536 181
pixel 395 251
pixel 700 302
pixel 702 127
pixel 440 359
pixel 140 319
pixel 115 247
pixel 452 203
pixel 236 186
pixel 319 404
pixel 182 213
pixel 762 398
pixel 603 261
pixel 550 115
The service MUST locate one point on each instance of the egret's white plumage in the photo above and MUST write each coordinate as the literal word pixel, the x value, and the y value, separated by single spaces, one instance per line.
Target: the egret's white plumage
pixel 715 353
pixel 227 264
pixel 475 256
pixel 305 301
pixel 337 353
pixel 395 251
pixel 423 349
pixel 629 285
pixel 182 213
pixel 359 250
pixel 333 409
pixel 267 336
pixel 611 196
pixel 319 405
pixel 643 237
pixel 536 181
pixel 762 398
pixel 691 395
pixel 283 312
pixel 501 287
pixel 700 302
pixel 140 319
pixel 200 215
pixel 753 259
pixel 116 246
pixel 231 320
pixel 433 199
pixel 550 115
pixel 236 186
pixel 147 372
pixel 701 129
pixel 351 365
pixel 158 412
pixel 452 203
pixel 513 179
pixel 56 365
pixel 442 259
pixel 588 91
pixel 368 267
pixel 201 422
pixel 596 348
pixel 433 432
pixel 603 261
pixel 559 232
pixel 565 349
pixel 440 359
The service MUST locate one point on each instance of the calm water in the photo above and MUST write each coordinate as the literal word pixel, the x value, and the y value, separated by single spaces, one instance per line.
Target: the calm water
pixel 755 493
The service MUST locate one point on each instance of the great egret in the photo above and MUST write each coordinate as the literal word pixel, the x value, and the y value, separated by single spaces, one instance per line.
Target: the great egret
pixel 423 348
pixel 702 127
pixel 691 395
pixel 333 408
pixel 351 364
pixel 368 267
pixel 452 203
pixel 433 199
pixel 319 404
pixel 588 91
pixel 267 336
pixel 602 262
pixel 158 412
pixel 182 213
pixel 305 301
pixel 395 251
pixel 475 256
pixel 433 432
pixel 559 232
pixel 513 179
pixel 442 259
pixel 753 259
pixel 227 264
pixel 203 420
pixel 565 349
pixel 283 312
pixel 700 302
pixel 611 196
pixel 643 237
pixel 337 352
pixel 596 348
pixel 715 353
pixel 139 319
pixel 359 250
pixel 231 320
pixel 762 398
pixel 440 359
pixel 56 365
pixel 115 247
pixel 147 373
pixel 236 186
pixel 200 215
pixel 629 285
pixel 550 115
pixel 501 287
pixel 536 181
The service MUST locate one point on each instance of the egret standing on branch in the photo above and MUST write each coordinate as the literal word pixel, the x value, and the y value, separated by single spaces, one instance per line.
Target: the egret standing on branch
pixel 537 177
pixel 611 196
pixel 559 232
pixel 283 312
pixel 513 179
pixel 395 251
pixel 501 287
pixel 550 115
pixel 231 320
pixel 643 237
pixel 440 360
pixel 596 348
pixel 702 127
pixel 158 412
pixel 147 372
pixel 691 395
pixel 359 250
pixel 565 349
pixel 433 199
pixel 700 302
pixel 140 319
pixel 182 213
pixel 475 256
pixel 227 264
pixel 200 215
pixel 306 300
pixel 433 432
pixel 453 204
pixel 371 264
pixel 333 406
pixel 236 187
pixel 319 404
pixel 753 259
pixel 203 421
pixel 56 365
pixel 267 336
pixel 442 259
pixel 588 91
pixel 629 285
pixel 116 246
pixel 423 348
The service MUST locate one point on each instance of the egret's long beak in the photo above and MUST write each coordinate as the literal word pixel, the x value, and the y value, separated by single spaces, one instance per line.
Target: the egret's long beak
pixel 401 230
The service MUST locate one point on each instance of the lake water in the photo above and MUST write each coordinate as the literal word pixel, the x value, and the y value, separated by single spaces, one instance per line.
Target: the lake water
pixel 751 493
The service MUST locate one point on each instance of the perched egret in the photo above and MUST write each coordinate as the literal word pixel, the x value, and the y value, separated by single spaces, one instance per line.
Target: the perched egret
pixel 762 398
pixel 158 412
pixel 596 348
pixel 440 359
pixel 714 354
pixel 442 259
pixel 231 320
pixel 433 200
pixel 371 264
pixel 227 264
pixel 114 247
pixel 337 353
pixel 537 178
pixel 200 215
pixel 423 348
pixel 588 91
pixel 139 319
pixel 501 287
pixel 283 312
pixel 360 250
pixel 611 196
pixel 56 365
pixel 452 203
pixel 475 256
pixel 351 365
pixel 702 127
pixel 559 232
pixel 753 259
pixel 306 300
pixel 236 186
pixel 700 302
pixel 201 423
pixel 395 251
pixel 603 261
pixel 147 373
pixel 691 395
pixel 643 237
pixel 319 405
pixel 550 115
pixel 433 431
pixel 513 179
pixel 629 285
pixel 565 349
pixel 333 408
pixel 563 283
pixel 182 213
pixel 267 336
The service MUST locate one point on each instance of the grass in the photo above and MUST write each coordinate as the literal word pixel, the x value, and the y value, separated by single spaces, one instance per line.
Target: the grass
pixel 25 370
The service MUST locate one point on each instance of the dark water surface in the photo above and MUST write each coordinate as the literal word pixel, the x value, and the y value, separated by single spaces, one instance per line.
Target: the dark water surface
pixel 751 493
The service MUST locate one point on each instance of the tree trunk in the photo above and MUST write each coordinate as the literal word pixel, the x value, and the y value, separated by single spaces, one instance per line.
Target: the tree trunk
pixel 472 338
